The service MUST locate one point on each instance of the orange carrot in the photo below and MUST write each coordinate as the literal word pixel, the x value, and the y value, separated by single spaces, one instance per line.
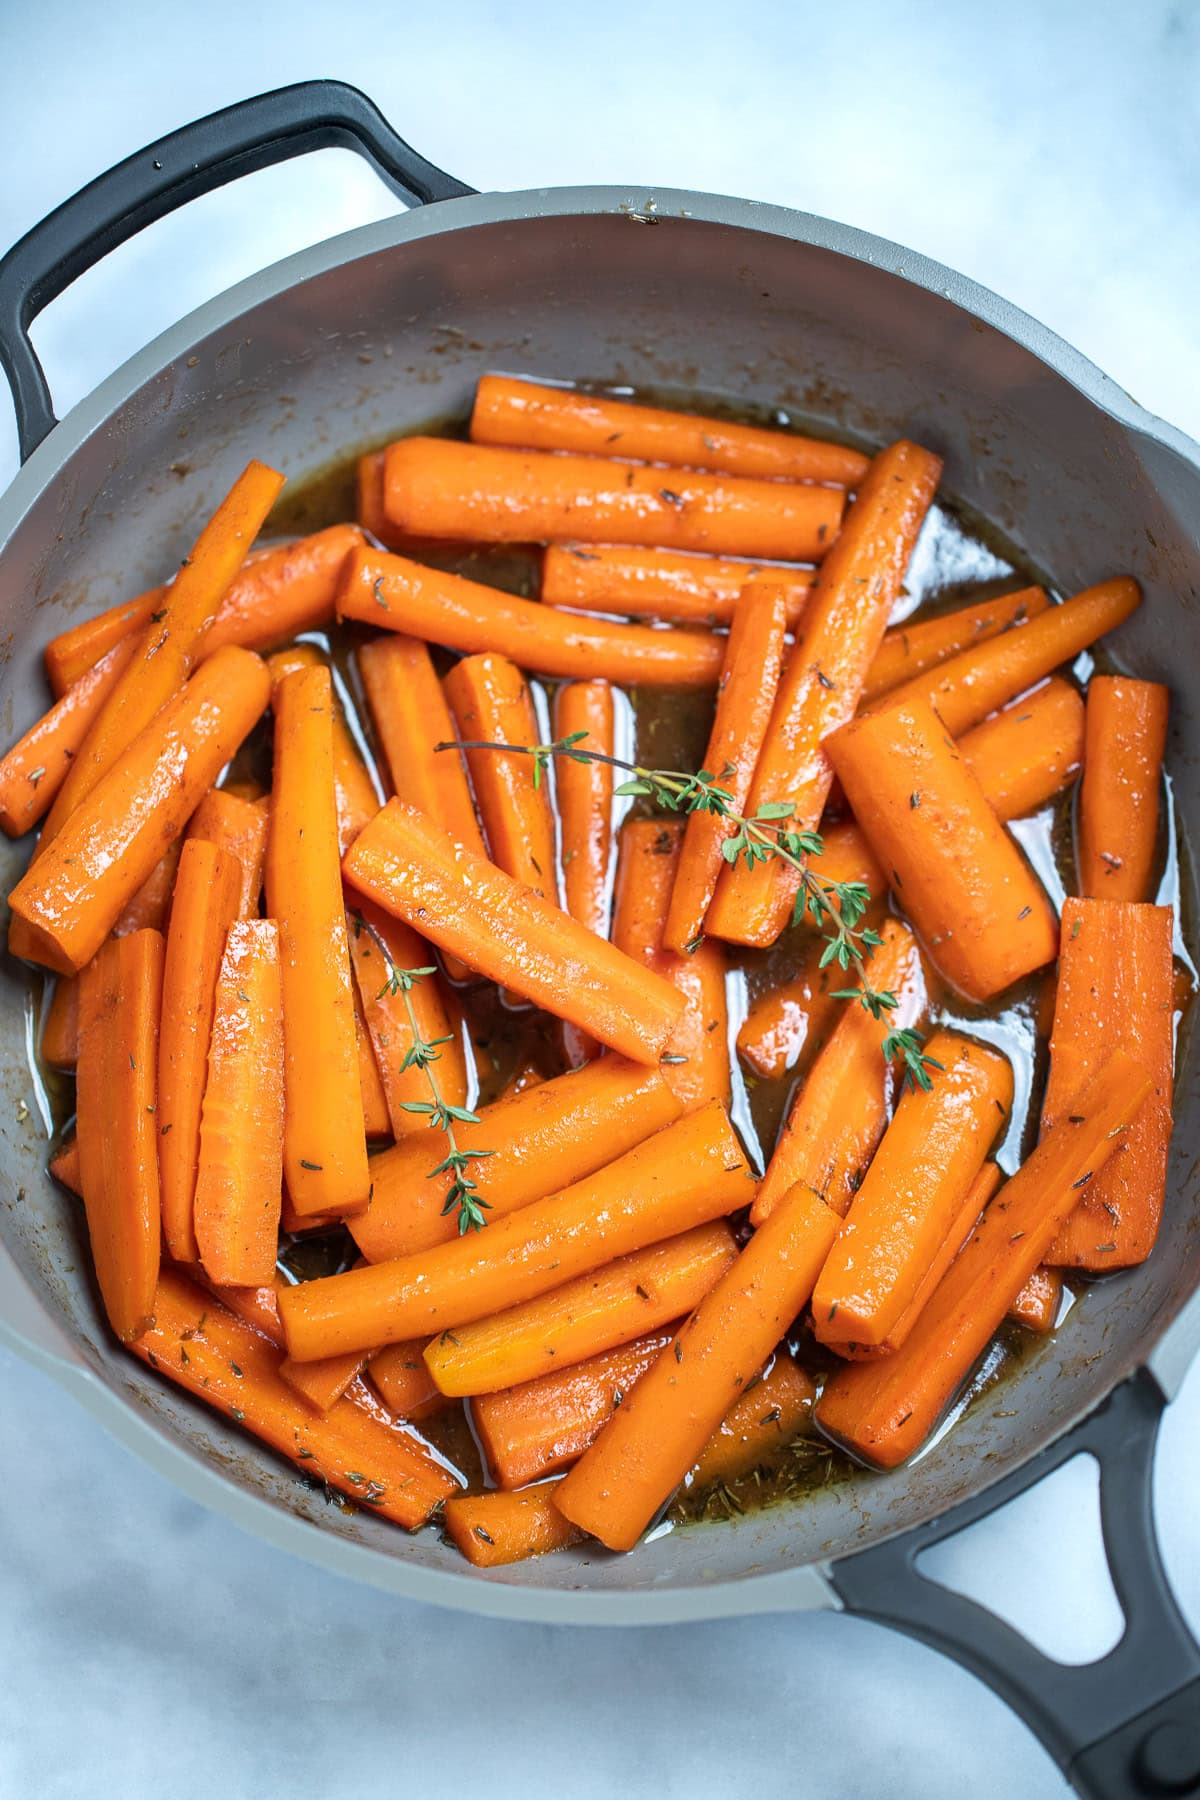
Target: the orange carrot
pixel 745 698
pixel 913 647
pixel 490 700
pixel 379 946
pixel 37 765
pixel 823 677
pixel 400 1374
pixel 117 1132
pixel 959 875
pixel 541 1140
pixel 239 827
pixel 1122 775
pixel 659 1432
pixel 785 1022
pixel 677 585
pixel 149 909
pixel 377 1122
pixel 498 1528
pixel 395 594
pixel 354 793
pixel 687 1175
pixel 59 1047
pixel 584 792
pixel 369 497
pixel 407 863
pixel 254 1306
pixel 77 651
pixel 324 1145
pixel 767 1417
pixel 596 1312
pixel 1024 755
pixel 322 1384
pixel 884 1410
pixel 1037 1305
pixel 64 1165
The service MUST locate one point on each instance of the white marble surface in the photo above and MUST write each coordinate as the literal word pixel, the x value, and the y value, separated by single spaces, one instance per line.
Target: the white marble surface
pixel 146 1645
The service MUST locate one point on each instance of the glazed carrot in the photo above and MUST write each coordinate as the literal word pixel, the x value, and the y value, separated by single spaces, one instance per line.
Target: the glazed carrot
pixel 648 858
pixel 884 1410
pixel 254 1306
pixel 357 1446
pixel 745 698
pixel 687 1175
pixel 369 497
pixel 324 1146
pixel 64 1165
pixel 1115 987
pixel 836 643
pixel 841 1108
pixel 660 584
pixel 489 699
pixel 541 1140
pixel 71 897
pixel 119 999
pixel 958 874
pixel 36 767
pixel 526 1076
pixel 149 909
pixel 659 1432
pixel 533 417
pixel 239 827
pixel 1024 755
pixel 322 1384
pixel 798 1016
pixel 59 1047
pixel 1037 1305
pixel 406 862
pixel 379 946
pixel 77 651
pixel 394 594
pixel 596 1312
pixel 206 904
pixel 498 1528
pixel 377 1122
pixel 584 792
pixel 911 648
pixel 1122 775
pixel 355 796
pixel 913 1192
pixel 400 1374
pixel 763 1420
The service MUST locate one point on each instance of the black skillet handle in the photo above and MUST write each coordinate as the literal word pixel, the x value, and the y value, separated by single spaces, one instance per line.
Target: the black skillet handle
pixel 1123 1727
pixel 273 128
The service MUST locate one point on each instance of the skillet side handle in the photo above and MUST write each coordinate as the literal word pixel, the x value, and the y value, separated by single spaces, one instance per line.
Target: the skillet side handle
pixel 1125 1726
pixel 239 140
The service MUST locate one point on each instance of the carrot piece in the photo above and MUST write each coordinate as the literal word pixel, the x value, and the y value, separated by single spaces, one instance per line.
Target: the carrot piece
pixel 355 797
pixel 379 946
pixel 59 1047
pixel 962 880
pixel 687 1175
pixel 498 1528
pixel 400 1374
pixel 838 637
pixel 841 1108
pixel 913 1192
pixel 377 1122
pixel 648 858
pixel 541 1140
pixel 395 594
pixel 79 650
pixel 584 792
pixel 678 585
pixel 149 909
pixel 745 697
pixel 884 1410
pixel 322 1384
pixel 771 1414
pixel 407 863
pixel 239 827
pixel 798 1016
pixel 1037 1305
pixel 1033 749
pixel 34 770
pixel 324 1144
pixel 369 497
pixel 1115 987
pixel 119 999
pixel 64 1165
pixel 255 1306
pixel 357 1446
pixel 659 1432
pixel 913 647
pixel 206 905
pixel 1118 798
pixel 596 1312
pixel 71 897
pixel 489 699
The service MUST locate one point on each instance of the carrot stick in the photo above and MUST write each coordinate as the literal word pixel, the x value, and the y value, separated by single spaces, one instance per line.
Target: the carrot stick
pixel 884 1410
pixel 763 1420
pixel 1037 1305
pixel 1033 749
pixel 677 585
pixel 407 863
pixel 377 1122
pixel 584 792
pixel 206 903
pixel 489 699
pixel 596 1312
pixel 659 1432
pixel 119 999
pixel 59 1047
pixel 78 651
pixel 959 875
pixel 254 1306
pixel 37 765
pixel 648 858
pixel 324 1146
pixel 1115 987
pixel 356 1447
pixel 541 1140
pixel 354 792
pixel 798 1016
pixel 687 1175
pixel 911 648
pixel 400 1374
pixel 239 828
pixel 498 1528
pixel 745 697
pixel 841 1108
pixel 369 497
pixel 823 677
pixel 64 1165
pixel 1122 775
pixel 395 594
pixel 149 909
pixel 379 945
pixel 322 1384
pixel 913 1192
pixel 69 900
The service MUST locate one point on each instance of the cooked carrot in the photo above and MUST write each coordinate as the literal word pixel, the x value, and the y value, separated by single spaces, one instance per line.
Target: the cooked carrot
pixel 541 1140
pixel 745 697
pixel 77 651
pixel 836 643
pixel 149 909
pixel 377 1122
pixel 584 792
pixel 400 1374
pixel 35 768
pixel 369 497
pixel 959 875
pixel 324 1144
pixel 406 862
pixel 911 648
pixel 527 1075
pixel 379 947
pixel 659 1432
pixel 687 1175
pixel 913 1192
pixel 1119 795
pixel 239 827
pixel 696 1061
pixel 785 1022
pixel 71 897
pixel 322 1384
pixel 678 585
pixel 59 1047
pixel 116 1127
pixel 1037 1305
pixel 64 1165
pixel 841 1108
pixel 598 1311
pixel 254 1306
pixel 489 699
pixel 394 594
pixel 762 1421
pixel 884 1410
pixel 1115 987
pixel 498 1528
pixel 356 1447
pixel 1024 755
pixel 355 796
